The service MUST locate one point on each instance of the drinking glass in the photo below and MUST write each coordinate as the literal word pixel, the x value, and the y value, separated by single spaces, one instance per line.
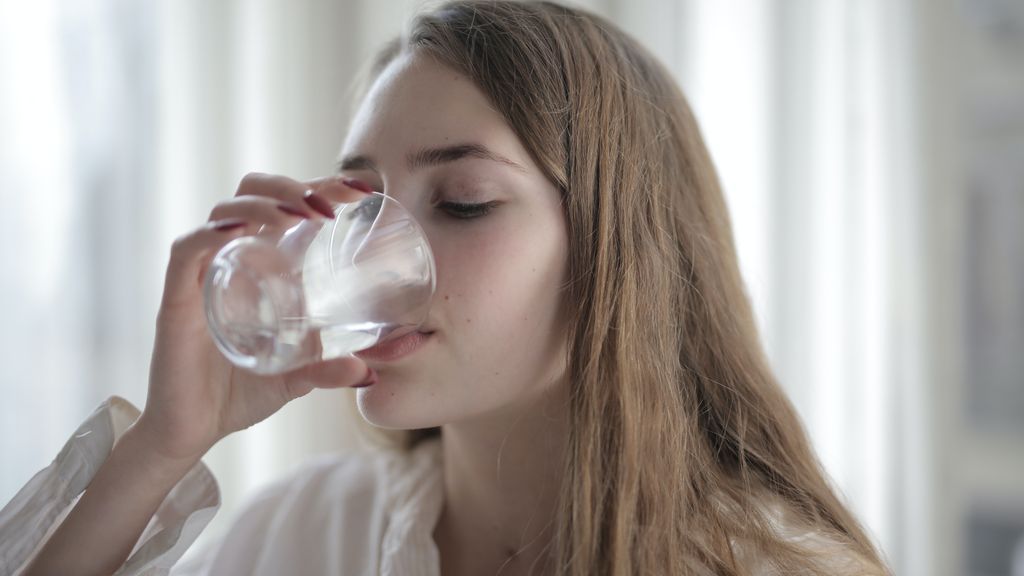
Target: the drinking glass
pixel 321 289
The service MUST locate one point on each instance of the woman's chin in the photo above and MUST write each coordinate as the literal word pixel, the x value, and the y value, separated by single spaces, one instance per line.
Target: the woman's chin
pixel 391 409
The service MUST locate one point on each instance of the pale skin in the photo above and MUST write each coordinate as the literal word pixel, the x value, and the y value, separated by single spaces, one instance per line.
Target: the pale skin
pixel 491 374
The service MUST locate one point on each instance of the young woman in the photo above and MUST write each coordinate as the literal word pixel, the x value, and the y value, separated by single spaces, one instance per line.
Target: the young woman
pixel 588 395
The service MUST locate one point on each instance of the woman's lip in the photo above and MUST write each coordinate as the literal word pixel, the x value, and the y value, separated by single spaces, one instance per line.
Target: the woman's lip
pixel 394 349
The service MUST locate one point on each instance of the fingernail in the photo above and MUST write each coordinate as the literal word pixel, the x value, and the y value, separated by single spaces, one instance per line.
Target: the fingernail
pixel 357 185
pixel 371 378
pixel 228 225
pixel 319 204
pixel 291 210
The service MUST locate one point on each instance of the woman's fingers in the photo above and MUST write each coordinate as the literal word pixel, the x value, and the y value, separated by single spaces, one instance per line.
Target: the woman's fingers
pixel 339 189
pixel 316 194
pixel 343 372
pixel 262 210
pixel 190 252
pixel 261 199
pixel 228 220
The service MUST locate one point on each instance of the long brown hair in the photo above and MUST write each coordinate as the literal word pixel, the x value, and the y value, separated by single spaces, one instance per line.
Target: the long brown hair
pixel 685 456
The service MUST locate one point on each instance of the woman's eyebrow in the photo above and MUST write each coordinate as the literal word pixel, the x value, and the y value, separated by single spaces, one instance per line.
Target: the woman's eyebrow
pixel 432 157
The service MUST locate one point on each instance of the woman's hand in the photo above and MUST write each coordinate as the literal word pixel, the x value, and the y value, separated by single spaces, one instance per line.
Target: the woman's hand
pixel 196 397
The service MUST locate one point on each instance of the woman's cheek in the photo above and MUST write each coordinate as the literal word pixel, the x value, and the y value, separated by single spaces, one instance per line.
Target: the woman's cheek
pixel 493 273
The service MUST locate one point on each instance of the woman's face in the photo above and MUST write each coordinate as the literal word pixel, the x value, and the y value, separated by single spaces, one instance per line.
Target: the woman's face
pixel 498 334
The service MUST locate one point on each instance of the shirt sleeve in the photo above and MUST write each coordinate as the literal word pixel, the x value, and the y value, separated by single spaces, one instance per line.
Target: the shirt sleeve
pixel 35 512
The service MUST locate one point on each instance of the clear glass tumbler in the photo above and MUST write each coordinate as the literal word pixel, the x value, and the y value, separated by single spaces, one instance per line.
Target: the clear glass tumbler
pixel 321 289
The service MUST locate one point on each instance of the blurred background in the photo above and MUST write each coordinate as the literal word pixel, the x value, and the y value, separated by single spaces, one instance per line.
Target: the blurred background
pixel 872 153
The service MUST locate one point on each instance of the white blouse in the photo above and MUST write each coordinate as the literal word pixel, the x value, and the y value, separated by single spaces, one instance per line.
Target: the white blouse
pixel 341 514
pixel 351 514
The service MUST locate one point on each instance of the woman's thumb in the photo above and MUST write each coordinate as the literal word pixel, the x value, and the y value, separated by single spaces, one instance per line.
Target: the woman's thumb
pixel 341 372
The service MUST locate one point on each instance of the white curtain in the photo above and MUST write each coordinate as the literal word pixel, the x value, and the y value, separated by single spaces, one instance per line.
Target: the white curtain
pixel 123 123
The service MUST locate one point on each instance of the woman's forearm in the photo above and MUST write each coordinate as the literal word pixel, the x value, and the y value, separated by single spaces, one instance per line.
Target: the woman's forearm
pixel 101 530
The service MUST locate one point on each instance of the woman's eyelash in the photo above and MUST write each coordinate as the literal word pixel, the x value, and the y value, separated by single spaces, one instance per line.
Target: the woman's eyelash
pixel 466 211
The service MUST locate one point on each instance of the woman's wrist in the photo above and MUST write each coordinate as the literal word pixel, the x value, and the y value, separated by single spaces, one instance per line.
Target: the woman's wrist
pixel 138 447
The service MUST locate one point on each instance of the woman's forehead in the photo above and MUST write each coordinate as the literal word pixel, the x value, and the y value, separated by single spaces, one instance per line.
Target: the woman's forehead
pixel 418 103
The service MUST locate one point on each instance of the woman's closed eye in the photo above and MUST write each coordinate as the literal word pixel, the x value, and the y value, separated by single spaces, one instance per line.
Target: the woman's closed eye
pixel 464 211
